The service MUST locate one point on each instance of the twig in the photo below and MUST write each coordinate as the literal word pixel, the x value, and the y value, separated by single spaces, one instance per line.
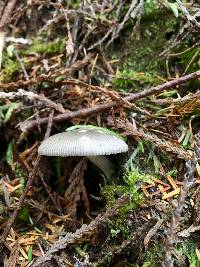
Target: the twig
pixel 21 65
pixel 123 101
pixel 31 124
pixel 50 78
pixel 2 41
pixel 191 61
pixel 26 190
pixel 133 240
pixel 33 96
pixel 171 238
pixel 20 203
pixel 85 229
pixel 75 55
pixel 152 232
pixel 7 12
pixel 99 42
pixel 163 144
pixel 70 44
pixel 184 51
pixel 48 189
pixel 191 19
pixel 188 231
pixel 134 5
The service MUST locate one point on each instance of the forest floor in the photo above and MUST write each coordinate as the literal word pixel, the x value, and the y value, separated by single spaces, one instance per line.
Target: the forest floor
pixel 132 67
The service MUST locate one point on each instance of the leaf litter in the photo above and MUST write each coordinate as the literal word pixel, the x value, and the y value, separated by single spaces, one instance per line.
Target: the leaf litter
pixel 59 69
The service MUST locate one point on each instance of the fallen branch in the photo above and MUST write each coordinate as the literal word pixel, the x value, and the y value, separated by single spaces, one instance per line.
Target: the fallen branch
pixel 187 232
pixel 152 232
pixel 19 204
pixel 31 124
pixel 133 11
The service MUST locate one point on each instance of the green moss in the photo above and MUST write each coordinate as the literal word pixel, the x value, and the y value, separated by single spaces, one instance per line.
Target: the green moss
pixel 186 251
pixel 9 158
pixel 130 188
pixel 154 255
pixel 74 4
pixel 128 78
pixel 21 176
pixel 40 46
pixel 6 111
pixel 10 67
pixel 139 58
pixel 23 214
pixel 150 6
pixel 190 60
pixel 142 55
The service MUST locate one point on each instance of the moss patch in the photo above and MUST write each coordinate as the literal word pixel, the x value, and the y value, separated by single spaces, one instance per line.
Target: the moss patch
pixel 39 46
pixel 10 68
pixel 139 58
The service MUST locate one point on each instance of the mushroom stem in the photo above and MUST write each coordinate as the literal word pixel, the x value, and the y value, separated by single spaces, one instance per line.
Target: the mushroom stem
pixel 103 163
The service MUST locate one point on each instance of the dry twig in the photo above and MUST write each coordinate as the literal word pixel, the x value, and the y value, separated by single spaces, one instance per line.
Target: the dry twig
pixel 31 124
pixel 134 240
pixel 26 190
pixel 171 238
pixel 50 78
pixel 84 230
pixel 7 12
pixel 191 19
pixel 160 143
pixel 33 97
pixel 133 11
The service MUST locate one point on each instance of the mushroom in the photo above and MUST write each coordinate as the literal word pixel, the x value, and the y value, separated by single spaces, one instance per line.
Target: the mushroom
pixel 90 141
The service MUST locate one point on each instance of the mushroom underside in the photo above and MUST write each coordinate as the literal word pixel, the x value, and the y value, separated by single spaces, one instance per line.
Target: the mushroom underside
pixel 104 164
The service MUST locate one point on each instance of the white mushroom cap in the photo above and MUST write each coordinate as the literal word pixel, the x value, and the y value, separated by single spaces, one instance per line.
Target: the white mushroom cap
pixel 82 141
